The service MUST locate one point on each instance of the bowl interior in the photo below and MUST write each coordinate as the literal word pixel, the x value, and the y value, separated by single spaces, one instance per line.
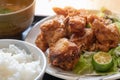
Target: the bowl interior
pixel 30 49
pixel 7 6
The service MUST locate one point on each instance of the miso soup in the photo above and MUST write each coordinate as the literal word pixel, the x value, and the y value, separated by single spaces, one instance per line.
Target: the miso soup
pixel 7 8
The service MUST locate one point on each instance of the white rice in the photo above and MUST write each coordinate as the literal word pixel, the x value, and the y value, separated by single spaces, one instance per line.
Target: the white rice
pixel 15 64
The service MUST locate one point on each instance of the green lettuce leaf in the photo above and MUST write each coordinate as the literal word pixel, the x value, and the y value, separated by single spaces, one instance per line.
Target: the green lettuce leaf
pixel 118 25
pixel 84 65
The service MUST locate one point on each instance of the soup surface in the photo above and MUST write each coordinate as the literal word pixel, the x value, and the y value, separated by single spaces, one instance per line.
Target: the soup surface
pixel 7 8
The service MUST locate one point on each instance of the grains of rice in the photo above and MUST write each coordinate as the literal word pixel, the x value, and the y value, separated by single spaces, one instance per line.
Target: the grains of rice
pixel 16 64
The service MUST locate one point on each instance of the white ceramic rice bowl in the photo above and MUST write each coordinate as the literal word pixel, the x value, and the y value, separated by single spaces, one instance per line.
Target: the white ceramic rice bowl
pixel 29 48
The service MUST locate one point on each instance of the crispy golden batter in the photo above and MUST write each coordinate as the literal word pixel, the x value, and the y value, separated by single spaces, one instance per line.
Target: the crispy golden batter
pixel 67 11
pixel 64 54
pixel 107 36
pixel 54 29
pixel 41 42
pixel 70 11
pixel 84 42
pixel 77 24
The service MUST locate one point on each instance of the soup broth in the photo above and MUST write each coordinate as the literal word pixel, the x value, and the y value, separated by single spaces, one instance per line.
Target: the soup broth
pixel 7 8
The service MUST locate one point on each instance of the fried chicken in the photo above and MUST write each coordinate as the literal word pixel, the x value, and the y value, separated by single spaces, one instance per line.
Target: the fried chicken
pixel 66 35
pixel 53 30
pixel 41 42
pixel 70 11
pixel 107 36
pixel 84 42
pixel 67 11
pixel 76 24
pixel 64 54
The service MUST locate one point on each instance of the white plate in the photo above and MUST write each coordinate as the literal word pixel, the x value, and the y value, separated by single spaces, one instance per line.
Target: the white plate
pixel 31 37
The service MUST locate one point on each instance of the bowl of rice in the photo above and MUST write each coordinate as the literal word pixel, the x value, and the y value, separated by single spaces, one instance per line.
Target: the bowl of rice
pixel 20 60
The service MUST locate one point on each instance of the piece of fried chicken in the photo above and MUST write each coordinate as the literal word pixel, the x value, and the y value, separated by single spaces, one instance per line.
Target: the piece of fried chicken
pixel 64 54
pixel 75 24
pixel 53 29
pixel 67 11
pixel 107 35
pixel 84 42
pixel 70 11
pixel 41 42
